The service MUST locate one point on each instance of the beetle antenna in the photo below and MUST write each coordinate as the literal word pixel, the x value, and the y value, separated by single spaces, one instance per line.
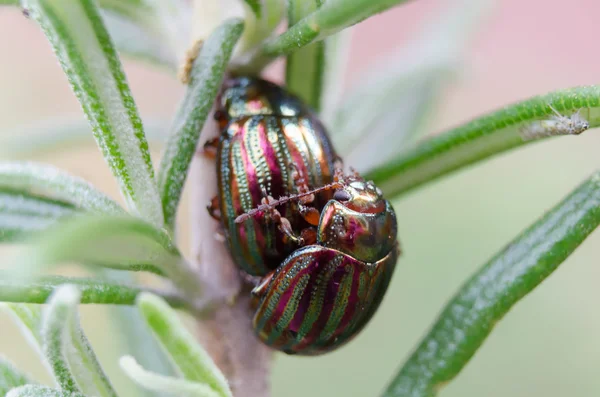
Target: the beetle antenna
pixel 271 204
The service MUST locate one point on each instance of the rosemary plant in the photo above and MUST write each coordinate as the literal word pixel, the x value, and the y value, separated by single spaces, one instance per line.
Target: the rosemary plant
pixel 60 219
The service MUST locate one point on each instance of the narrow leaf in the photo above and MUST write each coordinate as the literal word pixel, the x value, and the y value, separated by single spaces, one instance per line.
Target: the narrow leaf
pixel 93 291
pixel 27 317
pixel 392 103
pixel 10 377
pixel 52 183
pixel 135 10
pixel 206 77
pixel 165 385
pixel 139 41
pixel 337 49
pixel 487 136
pixel 85 51
pixel 192 360
pixel 124 243
pixel 48 136
pixel 22 214
pixel 256 7
pixel 331 17
pixel 40 391
pixel 469 318
pixel 132 336
pixel 305 67
pixel 70 355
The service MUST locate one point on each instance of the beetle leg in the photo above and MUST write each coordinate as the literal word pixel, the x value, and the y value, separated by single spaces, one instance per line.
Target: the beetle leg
pixel 261 287
pixel 285 227
pixel 301 186
pixel 309 235
pixel 209 149
pixel 310 214
pixel 213 209
pixel 283 224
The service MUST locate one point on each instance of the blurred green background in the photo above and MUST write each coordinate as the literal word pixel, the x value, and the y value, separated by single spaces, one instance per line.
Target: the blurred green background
pixel 547 345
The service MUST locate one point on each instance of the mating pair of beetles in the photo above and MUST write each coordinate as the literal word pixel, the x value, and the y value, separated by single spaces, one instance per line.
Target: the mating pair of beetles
pixel 323 243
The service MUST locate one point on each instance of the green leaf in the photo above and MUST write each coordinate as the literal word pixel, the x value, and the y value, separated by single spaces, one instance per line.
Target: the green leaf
pixel 27 317
pixel 393 101
pixel 469 318
pixel 85 51
pixel 49 182
pixel 10 377
pixel 305 67
pixel 139 41
pixel 124 243
pixel 9 2
pixel 337 49
pixel 22 214
pixel 135 10
pixel 256 6
pixel 132 336
pixel 330 18
pixel 71 357
pixel 93 291
pixel 192 360
pixel 261 19
pixel 165 385
pixel 47 137
pixel 206 78
pixel 484 137
pixel 40 391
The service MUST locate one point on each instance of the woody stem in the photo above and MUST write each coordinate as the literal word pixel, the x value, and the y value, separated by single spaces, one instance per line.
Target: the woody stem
pixel 227 334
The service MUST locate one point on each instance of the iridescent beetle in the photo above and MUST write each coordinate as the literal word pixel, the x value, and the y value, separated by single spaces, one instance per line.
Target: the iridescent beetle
pixel 271 144
pixel 327 249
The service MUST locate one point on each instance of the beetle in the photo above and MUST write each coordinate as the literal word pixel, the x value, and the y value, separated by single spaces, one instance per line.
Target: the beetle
pixel 326 249
pixel 323 294
pixel 271 144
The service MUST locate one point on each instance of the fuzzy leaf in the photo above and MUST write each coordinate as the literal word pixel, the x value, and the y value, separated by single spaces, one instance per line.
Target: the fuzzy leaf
pixel 331 17
pixel 165 385
pixel 392 103
pixel 52 183
pixel 40 391
pixel 305 67
pixel 10 377
pixel 125 243
pixel 27 317
pixel 206 77
pixel 256 6
pixel 482 301
pixel 261 19
pixel 71 357
pixel 22 214
pixel 134 10
pixel 192 360
pixel 485 137
pixel 86 53
pixel 47 137
pixel 132 336
pixel 337 49
pixel 139 41
pixel 95 291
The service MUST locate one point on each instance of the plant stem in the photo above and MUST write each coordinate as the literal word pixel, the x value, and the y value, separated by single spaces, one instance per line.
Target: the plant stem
pixel 228 334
